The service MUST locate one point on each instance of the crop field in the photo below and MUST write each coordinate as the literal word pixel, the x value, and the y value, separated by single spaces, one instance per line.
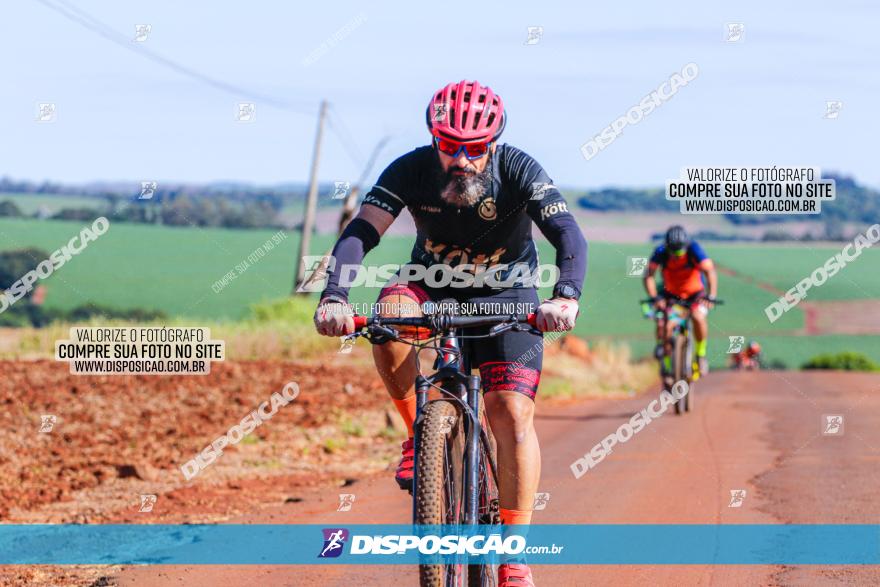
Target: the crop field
pixel 177 270
pixel 860 279
pixel 158 267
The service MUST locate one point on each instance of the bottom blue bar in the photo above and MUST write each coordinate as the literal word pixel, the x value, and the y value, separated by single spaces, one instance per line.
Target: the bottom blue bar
pixel 636 544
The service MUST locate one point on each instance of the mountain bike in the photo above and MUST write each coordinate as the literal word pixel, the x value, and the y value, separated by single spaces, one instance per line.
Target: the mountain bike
pixel 680 343
pixel 455 472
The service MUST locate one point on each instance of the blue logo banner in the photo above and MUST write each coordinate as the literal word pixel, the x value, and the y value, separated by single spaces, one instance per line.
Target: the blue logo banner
pixel 606 544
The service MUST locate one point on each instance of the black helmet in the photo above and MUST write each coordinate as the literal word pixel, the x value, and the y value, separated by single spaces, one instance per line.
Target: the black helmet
pixel 677 238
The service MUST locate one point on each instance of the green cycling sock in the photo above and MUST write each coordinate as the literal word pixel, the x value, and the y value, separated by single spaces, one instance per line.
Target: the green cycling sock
pixel 667 363
pixel 701 348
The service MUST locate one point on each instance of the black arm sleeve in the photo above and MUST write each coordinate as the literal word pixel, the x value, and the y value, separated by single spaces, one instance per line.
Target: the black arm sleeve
pixel 358 239
pixel 565 235
pixel 549 210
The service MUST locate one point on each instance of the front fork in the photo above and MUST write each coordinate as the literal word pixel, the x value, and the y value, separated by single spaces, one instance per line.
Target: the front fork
pixel 664 340
pixel 472 452
pixel 471 387
pixel 422 387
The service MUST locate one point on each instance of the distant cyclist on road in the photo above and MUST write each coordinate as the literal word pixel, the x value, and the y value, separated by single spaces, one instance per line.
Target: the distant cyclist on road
pixel 686 271
pixel 749 358
pixel 474 202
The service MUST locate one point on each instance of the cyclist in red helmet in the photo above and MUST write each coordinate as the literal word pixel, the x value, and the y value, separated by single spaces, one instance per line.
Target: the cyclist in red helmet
pixel 474 202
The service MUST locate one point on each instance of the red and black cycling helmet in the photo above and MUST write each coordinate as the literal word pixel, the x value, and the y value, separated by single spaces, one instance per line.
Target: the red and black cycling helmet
pixel 677 238
pixel 466 112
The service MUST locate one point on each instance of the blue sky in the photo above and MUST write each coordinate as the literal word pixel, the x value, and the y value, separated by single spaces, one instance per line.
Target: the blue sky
pixel 121 116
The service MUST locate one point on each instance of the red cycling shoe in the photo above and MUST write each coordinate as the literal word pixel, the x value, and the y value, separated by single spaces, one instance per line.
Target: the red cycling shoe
pixel 404 475
pixel 515 575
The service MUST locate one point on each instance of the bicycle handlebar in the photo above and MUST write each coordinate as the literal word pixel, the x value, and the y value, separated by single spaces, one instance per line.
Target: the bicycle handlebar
pixel 682 302
pixel 445 321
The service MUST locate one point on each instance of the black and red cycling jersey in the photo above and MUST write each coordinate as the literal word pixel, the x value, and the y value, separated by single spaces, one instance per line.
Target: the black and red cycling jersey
pixel 495 231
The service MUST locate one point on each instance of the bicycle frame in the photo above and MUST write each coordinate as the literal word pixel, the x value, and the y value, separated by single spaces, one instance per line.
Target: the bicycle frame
pixel 677 313
pixel 460 390
pixel 680 316
pixel 452 372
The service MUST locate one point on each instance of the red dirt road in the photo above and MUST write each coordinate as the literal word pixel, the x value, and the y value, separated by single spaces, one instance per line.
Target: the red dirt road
pixel 761 432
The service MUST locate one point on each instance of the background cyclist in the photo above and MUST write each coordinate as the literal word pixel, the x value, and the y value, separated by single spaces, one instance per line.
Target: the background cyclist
pixel 749 357
pixel 473 201
pixel 687 271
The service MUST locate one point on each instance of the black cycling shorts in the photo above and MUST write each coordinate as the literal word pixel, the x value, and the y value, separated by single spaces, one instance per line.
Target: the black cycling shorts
pixel 508 362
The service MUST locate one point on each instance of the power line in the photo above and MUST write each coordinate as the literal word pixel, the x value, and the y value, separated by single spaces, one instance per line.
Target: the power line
pixel 84 19
pixel 345 137
pixel 90 22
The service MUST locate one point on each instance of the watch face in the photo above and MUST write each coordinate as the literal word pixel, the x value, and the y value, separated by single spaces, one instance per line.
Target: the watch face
pixel 567 291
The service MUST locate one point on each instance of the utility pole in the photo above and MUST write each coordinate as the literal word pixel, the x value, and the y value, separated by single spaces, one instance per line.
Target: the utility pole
pixel 311 202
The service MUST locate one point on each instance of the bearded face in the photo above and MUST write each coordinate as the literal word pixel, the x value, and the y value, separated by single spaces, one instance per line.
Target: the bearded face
pixel 462 187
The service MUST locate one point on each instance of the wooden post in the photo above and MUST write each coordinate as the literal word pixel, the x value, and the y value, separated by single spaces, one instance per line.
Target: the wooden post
pixel 311 202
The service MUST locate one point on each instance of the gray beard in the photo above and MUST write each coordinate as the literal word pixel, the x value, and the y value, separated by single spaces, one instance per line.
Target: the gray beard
pixel 464 191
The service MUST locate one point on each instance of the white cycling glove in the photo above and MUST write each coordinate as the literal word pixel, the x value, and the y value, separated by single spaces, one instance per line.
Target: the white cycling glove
pixel 334 318
pixel 557 315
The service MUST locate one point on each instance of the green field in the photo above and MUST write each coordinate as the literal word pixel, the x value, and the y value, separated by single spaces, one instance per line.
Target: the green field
pixel 173 270
pixel 158 267
pixel 793 262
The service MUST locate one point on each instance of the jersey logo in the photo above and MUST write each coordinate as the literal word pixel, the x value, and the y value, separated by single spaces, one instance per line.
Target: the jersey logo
pixel 555 208
pixel 487 210
pixel 453 256
pixel 370 199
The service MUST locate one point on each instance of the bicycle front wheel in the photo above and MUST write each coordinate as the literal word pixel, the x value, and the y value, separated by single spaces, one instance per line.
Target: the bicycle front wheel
pixel 439 487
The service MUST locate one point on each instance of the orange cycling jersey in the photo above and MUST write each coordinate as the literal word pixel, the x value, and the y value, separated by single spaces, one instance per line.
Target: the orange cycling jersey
pixel 682 274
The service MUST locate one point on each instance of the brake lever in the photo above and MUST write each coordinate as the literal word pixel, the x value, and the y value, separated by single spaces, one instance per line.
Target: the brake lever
pixel 518 326
pixel 383 331
pixel 501 328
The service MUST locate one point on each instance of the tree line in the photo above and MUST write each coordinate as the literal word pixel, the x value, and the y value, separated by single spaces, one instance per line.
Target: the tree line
pixel 183 210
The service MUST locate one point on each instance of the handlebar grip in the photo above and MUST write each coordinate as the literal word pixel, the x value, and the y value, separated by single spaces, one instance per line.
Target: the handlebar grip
pixel 360 321
pixel 532 319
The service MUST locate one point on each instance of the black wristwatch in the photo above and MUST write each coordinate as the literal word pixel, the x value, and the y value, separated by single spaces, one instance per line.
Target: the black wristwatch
pixel 565 291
